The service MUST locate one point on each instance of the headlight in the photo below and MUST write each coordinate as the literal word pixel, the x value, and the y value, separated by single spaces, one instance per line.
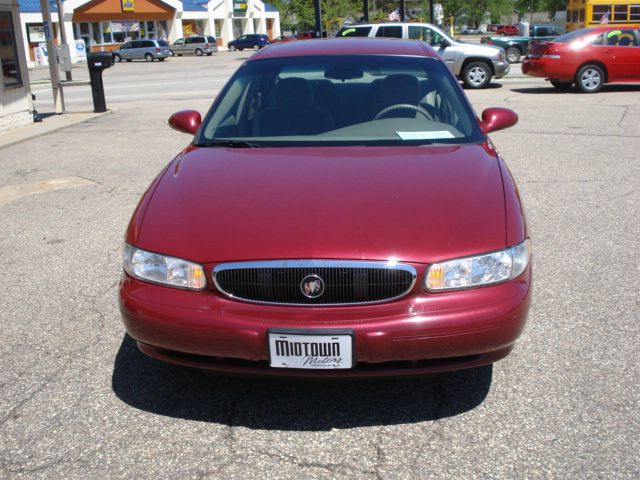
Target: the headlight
pixel 156 268
pixel 502 56
pixel 479 270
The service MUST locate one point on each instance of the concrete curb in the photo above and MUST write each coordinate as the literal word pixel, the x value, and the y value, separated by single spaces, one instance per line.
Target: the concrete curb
pixel 48 125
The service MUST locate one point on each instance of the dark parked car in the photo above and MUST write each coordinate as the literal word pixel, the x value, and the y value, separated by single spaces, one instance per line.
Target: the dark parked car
pixel 589 57
pixel 340 212
pixel 517 46
pixel 148 50
pixel 252 40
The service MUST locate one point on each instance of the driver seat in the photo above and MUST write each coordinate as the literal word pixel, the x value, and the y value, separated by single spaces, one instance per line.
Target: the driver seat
pixel 397 89
pixel 293 112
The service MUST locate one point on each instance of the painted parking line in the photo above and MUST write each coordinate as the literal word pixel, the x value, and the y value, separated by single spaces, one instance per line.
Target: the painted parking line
pixel 8 194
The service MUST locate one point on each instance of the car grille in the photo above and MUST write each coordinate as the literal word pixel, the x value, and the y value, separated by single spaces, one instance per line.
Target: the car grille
pixel 343 282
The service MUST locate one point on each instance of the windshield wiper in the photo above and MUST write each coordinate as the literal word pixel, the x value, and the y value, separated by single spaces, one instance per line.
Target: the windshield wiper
pixel 229 143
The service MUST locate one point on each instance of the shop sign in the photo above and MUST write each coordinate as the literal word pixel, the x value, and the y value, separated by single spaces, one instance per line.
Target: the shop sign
pixel 36 33
pixel 187 29
pixel 128 6
pixel 125 26
pixel 80 53
pixel 240 6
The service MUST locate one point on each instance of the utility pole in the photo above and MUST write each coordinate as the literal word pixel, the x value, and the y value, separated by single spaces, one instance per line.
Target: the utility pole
pixel 402 9
pixel 63 33
pixel 316 7
pixel 58 98
pixel 530 12
pixel 431 13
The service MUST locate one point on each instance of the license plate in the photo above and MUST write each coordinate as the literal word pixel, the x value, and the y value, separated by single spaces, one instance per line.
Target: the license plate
pixel 313 351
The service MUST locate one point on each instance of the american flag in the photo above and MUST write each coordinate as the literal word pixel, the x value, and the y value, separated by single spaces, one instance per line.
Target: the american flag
pixel 395 15
pixel 605 18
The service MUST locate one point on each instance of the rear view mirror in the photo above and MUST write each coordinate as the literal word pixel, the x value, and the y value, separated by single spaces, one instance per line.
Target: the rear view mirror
pixel 343 73
pixel 186 121
pixel 497 119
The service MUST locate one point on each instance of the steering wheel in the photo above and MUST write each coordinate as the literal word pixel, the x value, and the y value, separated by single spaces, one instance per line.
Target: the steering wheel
pixel 403 106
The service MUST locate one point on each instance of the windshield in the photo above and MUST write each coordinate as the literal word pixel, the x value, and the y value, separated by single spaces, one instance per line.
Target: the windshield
pixel 340 100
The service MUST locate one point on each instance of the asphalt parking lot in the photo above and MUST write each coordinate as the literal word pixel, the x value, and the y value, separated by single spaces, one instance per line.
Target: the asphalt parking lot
pixel 79 401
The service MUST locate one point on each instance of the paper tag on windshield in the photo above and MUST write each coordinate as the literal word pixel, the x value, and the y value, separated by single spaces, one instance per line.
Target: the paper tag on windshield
pixel 432 135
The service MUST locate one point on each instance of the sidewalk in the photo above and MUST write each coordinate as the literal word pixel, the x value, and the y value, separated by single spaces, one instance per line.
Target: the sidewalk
pixel 40 75
pixel 50 123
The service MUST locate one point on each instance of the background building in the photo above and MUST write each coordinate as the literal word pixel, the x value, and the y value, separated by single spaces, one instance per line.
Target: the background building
pixel 104 25
pixel 15 94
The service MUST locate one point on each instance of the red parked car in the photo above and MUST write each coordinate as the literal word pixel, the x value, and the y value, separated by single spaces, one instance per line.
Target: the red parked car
pixel 589 57
pixel 508 30
pixel 304 36
pixel 339 212
pixel 283 38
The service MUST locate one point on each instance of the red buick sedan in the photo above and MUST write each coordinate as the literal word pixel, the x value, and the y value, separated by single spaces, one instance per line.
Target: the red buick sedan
pixel 340 212
pixel 589 57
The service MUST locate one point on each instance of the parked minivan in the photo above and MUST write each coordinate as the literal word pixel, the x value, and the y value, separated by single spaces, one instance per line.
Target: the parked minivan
pixel 472 63
pixel 195 45
pixel 149 50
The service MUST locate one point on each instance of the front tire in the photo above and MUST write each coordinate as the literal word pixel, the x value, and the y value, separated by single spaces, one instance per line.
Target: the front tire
pixel 476 75
pixel 117 58
pixel 513 55
pixel 590 79
pixel 148 57
pixel 232 48
pixel 561 85
pixel 256 47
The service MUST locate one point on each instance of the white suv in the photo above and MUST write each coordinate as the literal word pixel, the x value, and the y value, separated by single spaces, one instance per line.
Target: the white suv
pixel 472 63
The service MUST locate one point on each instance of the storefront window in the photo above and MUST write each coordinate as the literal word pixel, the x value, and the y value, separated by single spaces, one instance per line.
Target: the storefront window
pixel 163 30
pixel 106 32
pixel 8 52
pixel 95 33
pixel 151 30
pixel 119 31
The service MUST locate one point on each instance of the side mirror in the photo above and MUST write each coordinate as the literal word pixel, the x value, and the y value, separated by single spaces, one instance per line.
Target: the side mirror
pixel 497 119
pixel 444 43
pixel 186 121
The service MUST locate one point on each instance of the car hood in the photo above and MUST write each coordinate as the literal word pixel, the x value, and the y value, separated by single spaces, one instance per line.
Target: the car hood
pixel 415 204
pixel 480 49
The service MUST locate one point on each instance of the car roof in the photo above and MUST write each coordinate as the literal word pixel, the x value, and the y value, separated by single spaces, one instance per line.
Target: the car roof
pixel 391 24
pixel 346 46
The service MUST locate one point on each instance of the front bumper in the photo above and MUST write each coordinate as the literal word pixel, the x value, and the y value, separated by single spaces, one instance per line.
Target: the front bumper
pixel 418 334
pixel 501 68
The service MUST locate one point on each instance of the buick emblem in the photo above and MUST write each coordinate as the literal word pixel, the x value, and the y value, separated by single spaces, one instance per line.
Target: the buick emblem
pixel 312 286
